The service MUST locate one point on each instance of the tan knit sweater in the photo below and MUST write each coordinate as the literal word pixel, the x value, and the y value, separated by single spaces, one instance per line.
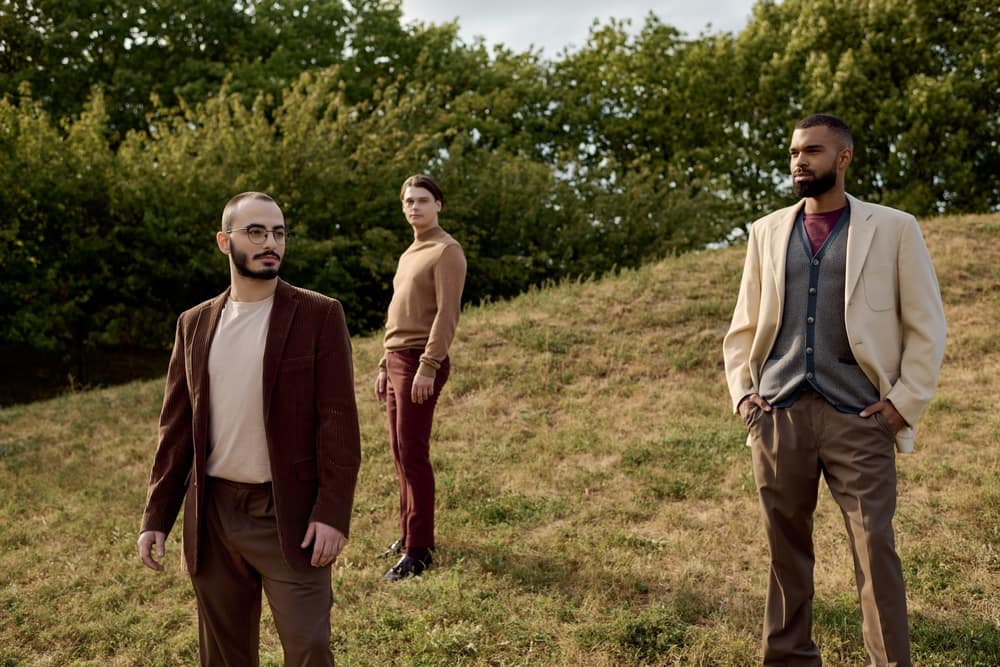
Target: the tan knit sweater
pixel 426 299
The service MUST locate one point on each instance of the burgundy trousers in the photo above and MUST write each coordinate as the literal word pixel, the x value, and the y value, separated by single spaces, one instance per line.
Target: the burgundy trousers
pixel 792 448
pixel 410 440
pixel 240 553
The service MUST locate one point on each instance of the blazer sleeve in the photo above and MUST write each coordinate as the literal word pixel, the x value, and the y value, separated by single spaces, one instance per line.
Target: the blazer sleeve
pixel 338 436
pixel 738 342
pixel 175 449
pixel 923 326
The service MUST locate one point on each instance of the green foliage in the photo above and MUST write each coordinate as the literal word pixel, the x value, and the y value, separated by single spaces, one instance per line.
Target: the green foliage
pixel 61 249
pixel 176 49
pixel 917 82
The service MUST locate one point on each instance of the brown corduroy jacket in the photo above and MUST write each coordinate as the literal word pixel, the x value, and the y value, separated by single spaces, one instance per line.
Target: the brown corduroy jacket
pixel 310 418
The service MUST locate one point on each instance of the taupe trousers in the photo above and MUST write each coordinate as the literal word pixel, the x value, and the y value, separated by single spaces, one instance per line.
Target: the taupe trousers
pixel 791 448
pixel 240 553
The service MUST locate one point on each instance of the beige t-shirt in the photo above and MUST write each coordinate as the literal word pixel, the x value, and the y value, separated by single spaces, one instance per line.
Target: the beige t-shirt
pixel 238 450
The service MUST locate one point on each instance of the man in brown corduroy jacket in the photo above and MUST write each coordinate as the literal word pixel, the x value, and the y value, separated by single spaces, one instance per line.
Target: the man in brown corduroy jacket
pixel 259 440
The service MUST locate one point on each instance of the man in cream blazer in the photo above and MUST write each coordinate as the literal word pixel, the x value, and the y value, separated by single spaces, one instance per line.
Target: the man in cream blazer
pixel 831 358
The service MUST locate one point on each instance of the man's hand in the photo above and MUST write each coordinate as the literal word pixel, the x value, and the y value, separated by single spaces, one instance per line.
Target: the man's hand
pixel 327 543
pixel 147 539
pixel 751 400
pixel 889 413
pixel 422 389
pixel 380 388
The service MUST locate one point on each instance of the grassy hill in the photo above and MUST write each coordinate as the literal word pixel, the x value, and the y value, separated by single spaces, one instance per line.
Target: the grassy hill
pixel 596 503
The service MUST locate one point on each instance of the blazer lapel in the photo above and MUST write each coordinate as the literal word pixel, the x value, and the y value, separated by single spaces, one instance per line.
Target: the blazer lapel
pixel 859 240
pixel 200 345
pixel 282 314
pixel 778 249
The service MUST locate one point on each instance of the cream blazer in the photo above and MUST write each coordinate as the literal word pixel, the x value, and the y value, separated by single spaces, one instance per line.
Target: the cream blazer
pixel 892 307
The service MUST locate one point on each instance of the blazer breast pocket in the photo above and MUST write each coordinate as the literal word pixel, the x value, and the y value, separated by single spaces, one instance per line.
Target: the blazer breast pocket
pixel 880 289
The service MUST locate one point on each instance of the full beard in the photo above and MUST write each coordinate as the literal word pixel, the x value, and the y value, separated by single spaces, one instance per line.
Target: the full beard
pixel 241 261
pixel 817 186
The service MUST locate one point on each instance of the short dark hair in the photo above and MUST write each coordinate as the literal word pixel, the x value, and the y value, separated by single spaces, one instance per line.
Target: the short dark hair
pixel 422 181
pixel 832 122
pixel 230 209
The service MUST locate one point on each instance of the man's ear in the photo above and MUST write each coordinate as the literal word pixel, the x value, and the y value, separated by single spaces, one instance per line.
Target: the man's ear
pixel 845 157
pixel 222 240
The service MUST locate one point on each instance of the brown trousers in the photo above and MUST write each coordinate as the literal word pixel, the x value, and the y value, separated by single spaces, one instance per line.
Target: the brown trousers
pixel 791 448
pixel 240 553
pixel 410 440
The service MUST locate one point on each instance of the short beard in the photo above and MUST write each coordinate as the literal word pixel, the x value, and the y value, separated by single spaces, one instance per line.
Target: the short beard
pixel 817 186
pixel 241 260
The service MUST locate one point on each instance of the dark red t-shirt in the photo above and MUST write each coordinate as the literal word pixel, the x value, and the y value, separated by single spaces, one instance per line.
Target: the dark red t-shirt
pixel 819 226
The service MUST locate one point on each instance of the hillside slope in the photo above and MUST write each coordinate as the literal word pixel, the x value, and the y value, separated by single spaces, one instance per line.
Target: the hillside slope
pixel 596 505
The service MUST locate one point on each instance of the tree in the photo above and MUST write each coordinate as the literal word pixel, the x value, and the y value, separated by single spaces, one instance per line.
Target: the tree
pixel 62 247
pixel 172 49
pixel 917 81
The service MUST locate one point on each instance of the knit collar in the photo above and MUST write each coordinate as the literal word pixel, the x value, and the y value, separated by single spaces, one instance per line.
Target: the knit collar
pixel 431 234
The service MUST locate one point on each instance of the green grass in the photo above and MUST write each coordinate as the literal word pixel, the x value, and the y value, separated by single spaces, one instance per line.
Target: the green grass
pixel 595 501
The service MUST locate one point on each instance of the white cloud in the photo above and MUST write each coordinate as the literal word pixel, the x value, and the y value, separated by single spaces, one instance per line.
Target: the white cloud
pixel 555 24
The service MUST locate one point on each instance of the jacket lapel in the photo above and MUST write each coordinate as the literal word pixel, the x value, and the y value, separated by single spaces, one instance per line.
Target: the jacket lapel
pixel 200 344
pixel 779 249
pixel 282 314
pixel 859 240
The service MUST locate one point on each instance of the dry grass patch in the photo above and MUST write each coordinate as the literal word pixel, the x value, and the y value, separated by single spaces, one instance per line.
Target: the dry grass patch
pixel 596 504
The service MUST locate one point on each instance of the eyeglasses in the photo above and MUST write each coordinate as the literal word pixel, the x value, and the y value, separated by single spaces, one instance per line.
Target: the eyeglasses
pixel 258 235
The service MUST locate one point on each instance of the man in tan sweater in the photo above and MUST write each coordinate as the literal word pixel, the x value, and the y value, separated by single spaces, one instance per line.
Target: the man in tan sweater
pixel 420 325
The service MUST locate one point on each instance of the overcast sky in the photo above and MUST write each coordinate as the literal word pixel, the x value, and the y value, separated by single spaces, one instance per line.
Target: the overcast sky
pixel 555 24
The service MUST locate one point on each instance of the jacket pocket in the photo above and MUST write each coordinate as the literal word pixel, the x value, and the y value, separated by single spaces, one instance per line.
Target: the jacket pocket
pixel 880 420
pixel 880 292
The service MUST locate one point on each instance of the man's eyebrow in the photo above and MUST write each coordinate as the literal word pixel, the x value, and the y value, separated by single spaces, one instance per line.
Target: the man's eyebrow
pixel 261 224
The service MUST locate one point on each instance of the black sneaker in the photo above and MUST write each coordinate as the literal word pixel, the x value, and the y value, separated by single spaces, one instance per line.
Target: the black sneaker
pixel 407 567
